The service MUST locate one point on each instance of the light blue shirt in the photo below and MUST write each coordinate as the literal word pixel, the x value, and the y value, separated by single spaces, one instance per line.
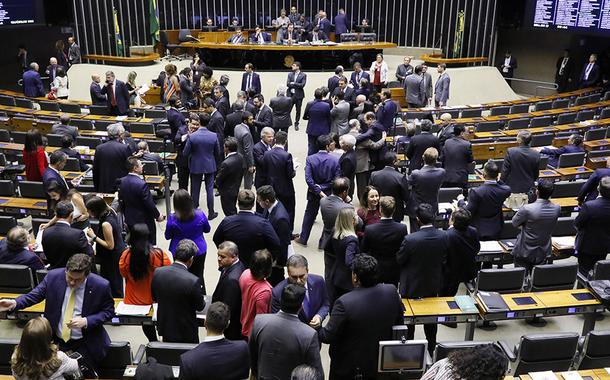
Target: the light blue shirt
pixel 78 309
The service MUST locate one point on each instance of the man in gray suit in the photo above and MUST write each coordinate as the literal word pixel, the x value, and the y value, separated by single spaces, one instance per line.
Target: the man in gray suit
pixel 73 52
pixel 62 128
pixel 427 79
pixel 520 170
pixel 536 221
pixel 245 147
pixel 441 87
pixel 414 88
pixel 281 105
pixel 279 342
pixel 339 114
pixel 425 185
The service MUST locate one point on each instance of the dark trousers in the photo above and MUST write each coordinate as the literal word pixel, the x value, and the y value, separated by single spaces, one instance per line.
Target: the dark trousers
pixel 228 203
pixel 312 145
pixel 289 203
pixel 183 177
pixel 329 263
pixel 520 263
pixel 414 105
pixel 362 180
pixel 109 269
pixel 197 269
pixel 297 103
pixel 311 212
pixel 587 262
pixel 150 332
pixel 196 180
pixel 430 330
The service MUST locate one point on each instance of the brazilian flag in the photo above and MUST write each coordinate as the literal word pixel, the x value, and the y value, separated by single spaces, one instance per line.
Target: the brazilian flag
pixel 120 48
pixel 153 18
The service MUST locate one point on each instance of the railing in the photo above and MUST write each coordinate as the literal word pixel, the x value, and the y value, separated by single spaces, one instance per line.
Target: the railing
pixel 546 85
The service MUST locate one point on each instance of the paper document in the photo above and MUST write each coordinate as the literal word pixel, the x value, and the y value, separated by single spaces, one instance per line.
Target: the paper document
pixel 38 247
pixel 546 375
pixel 563 242
pixel 143 89
pixel 126 309
pixel 490 246
pixel 121 118
pixel 571 375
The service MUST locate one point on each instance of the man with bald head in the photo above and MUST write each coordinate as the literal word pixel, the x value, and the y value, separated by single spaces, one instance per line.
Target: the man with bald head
pixel 97 98
pixel 227 290
pixel 51 70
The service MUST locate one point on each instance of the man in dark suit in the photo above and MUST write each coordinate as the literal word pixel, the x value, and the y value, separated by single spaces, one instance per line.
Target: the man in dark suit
pixel 234 118
pixel 341 24
pixel 320 171
pixel 464 245
pixel 565 71
pixel 74 55
pixel 249 231
pixel 389 182
pixel 62 128
pixel 348 92
pixel 358 75
pixel 228 178
pixel 32 84
pixel 216 120
pixel 95 91
pixel 281 106
pixel 419 143
pixel 317 36
pixel 359 320
pixel 250 80
pixel 508 66
pixel 53 181
pixel 317 112
pixel 216 357
pixel 382 241
pixel 227 290
pixel 67 145
pixel 588 191
pixel 296 83
pixel 182 160
pixel 276 213
pixel 316 303
pixel 421 257
pixel 259 36
pixel 404 70
pixel 14 250
pixel 109 161
pixel 333 82
pixel 117 95
pixel 77 304
pixel 280 342
pixel 485 204
pixel 349 160
pixel 425 185
pixel 521 169
pixel 137 202
pixel 591 73
pixel 287 35
pixel 278 171
pixel 179 294
pixel 174 117
pixel 61 241
pixel 263 117
pixel 203 150
pixel 245 146
pixel 574 146
pixel 222 102
pixel 456 158
pixel 52 68
pixel 386 110
pixel 593 236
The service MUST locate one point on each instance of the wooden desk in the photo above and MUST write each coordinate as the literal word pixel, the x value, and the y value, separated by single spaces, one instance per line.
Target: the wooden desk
pixel 597 162
pixel 534 131
pixel 569 202
pixel 596 145
pixel 135 60
pixel 574 172
pixel 440 310
pixel 511 301
pixel 596 374
pixel 486 151
pixel 508 117
pixel 549 174
pixel 438 58
pixel 23 206
pixel 491 134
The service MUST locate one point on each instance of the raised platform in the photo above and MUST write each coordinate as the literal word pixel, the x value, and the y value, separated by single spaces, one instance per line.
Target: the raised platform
pixel 134 60
pixel 455 62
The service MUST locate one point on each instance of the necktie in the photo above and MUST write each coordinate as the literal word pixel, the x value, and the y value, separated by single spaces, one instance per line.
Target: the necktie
pixel 68 313
pixel 358 79
pixel 306 304
pixel 249 82
pixel 111 90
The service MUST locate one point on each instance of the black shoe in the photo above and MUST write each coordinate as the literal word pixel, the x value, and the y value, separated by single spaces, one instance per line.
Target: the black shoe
pixel 536 322
pixel 213 216
pixel 487 325
pixel 451 325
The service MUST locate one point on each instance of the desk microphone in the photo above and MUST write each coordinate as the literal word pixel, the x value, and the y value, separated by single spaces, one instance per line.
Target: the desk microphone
pixel 196 39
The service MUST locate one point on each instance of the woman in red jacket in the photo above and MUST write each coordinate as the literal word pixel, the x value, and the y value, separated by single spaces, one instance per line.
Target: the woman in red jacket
pixel 34 157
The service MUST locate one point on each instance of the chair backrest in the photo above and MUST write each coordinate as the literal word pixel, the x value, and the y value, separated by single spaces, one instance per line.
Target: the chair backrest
pixel 553 277
pixel 6 100
pixel 443 349
pixel 585 115
pixel 505 280
pixel 102 125
pixel 489 126
pixel 454 113
pixel 163 37
pixel 40 275
pixel 150 168
pixel 542 139
pixel 54 140
pixel 501 110
pixel 564 189
pixel 70 107
pixel 7 188
pixel 581 100
pixel 601 270
pixel 157 146
pixel 596 350
pixel 543 106
pixel 167 353
pixel 24 103
pixel 605 114
pixel 18 137
pixel 606 96
pixel 72 165
pixel 155 114
pixel 541 121
pixel 142 128
pixel 36 222
pixel 546 352
pixel 82 124
pixel 568 160
pixel 561 103
pixel 543 163
pixel 599 153
pixel 518 123
pixel 520 108
pixel 183 35
pixel 5 135
pixel 7 347
pixel 595 134
pixel 98 110
pixel 449 194
pixel 49 106
pixel 471 113
pixel 6 223
pixel 566 118
pixel 594 98
pixel 16 278
pixel 118 356
pixel 91 142
pixel 31 189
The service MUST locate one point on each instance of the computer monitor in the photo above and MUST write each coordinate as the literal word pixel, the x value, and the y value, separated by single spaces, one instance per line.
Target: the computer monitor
pixel 349 37
pixel 407 357
pixel 364 29
pixel 368 37
pixel 209 28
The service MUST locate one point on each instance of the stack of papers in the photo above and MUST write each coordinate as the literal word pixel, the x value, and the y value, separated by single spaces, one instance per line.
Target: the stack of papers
pixel 546 375
pixel 490 246
pixel 136 310
pixel 563 242
pixel 571 375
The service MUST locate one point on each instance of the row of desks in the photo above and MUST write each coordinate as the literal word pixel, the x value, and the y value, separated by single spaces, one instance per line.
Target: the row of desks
pixel 563 174
pixel 46 127
pixel 592 374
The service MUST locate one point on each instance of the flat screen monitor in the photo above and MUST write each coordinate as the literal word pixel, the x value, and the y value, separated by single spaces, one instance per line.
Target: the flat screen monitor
pixel 349 37
pixel 21 12
pixel 396 356
pixel 209 28
pixel 589 16
pixel 368 37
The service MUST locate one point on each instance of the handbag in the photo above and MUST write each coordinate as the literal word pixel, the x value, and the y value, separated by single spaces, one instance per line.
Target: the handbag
pixel 51 95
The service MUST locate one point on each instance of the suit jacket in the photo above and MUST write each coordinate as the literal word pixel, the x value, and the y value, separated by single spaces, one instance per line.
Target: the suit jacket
pixel 97 98
pixel 236 38
pixel 138 205
pixel 281 106
pixel 588 191
pixel 319 303
pixel 296 84
pixel 61 241
pixel 98 307
pixel 175 119
pixel 250 232
pixel 218 359
pixel 536 221
pixel 461 257
pixel 382 241
pixel 255 82
pixel 278 171
pixel 421 257
pixel 51 71
pixel 217 125
pixel 71 153
pixel 456 157
pixel 229 175
pixel 425 185
pixel 341 24
pixel 348 94
pixel 266 37
pixel 554 153
pixel 32 84
pixel 386 113
pixel 21 257
pixel 333 84
pixel 244 144
pixel 521 169
pixel 223 106
pixel 280 342
pixel 414 89
pixel 427 82
pixel 325 26
pixel 485 204
pixel 181 158
pixel 568 70
pixel 513 65
pixel 202 149
pixel 391 182
pixel 284 36
pixel 186 90
pixel 228 291
pixel 74 54
pixel 280 221
pixel 355 329
pixel 329 208
pixel 179 295
pixel 263 118
pixel 417 146
pixel 65 130
pixel 441 89
pixel 403 71
pixel 320 170
pixel 593 78
pixel 353 79
pixel 317 112
pixel 121 96
pixel 233 119
pixel 348 163
pixel 593 236
pixel 339 116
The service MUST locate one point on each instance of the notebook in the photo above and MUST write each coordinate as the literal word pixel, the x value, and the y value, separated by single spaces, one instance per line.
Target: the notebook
pixel 492 301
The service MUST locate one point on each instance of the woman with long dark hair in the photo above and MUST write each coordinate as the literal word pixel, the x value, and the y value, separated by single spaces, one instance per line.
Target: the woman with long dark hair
pixel 34 157
pixel 485 362
pixel 109 243
pixel 37 358
pixel 369 212
pixel 187 222
pixel 137 264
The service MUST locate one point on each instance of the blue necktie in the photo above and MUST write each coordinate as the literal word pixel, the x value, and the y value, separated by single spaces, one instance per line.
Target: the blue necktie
pixel 306 305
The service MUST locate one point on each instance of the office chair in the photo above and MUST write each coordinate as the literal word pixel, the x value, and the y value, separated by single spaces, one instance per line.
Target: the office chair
pixel 594 351
pixel 16 279
pixel 543 352
pixel 553 277
pixel 7 347
pixel 568 160
pixel 117 358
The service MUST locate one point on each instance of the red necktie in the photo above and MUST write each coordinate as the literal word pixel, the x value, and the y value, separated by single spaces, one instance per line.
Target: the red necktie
pixel 112 97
